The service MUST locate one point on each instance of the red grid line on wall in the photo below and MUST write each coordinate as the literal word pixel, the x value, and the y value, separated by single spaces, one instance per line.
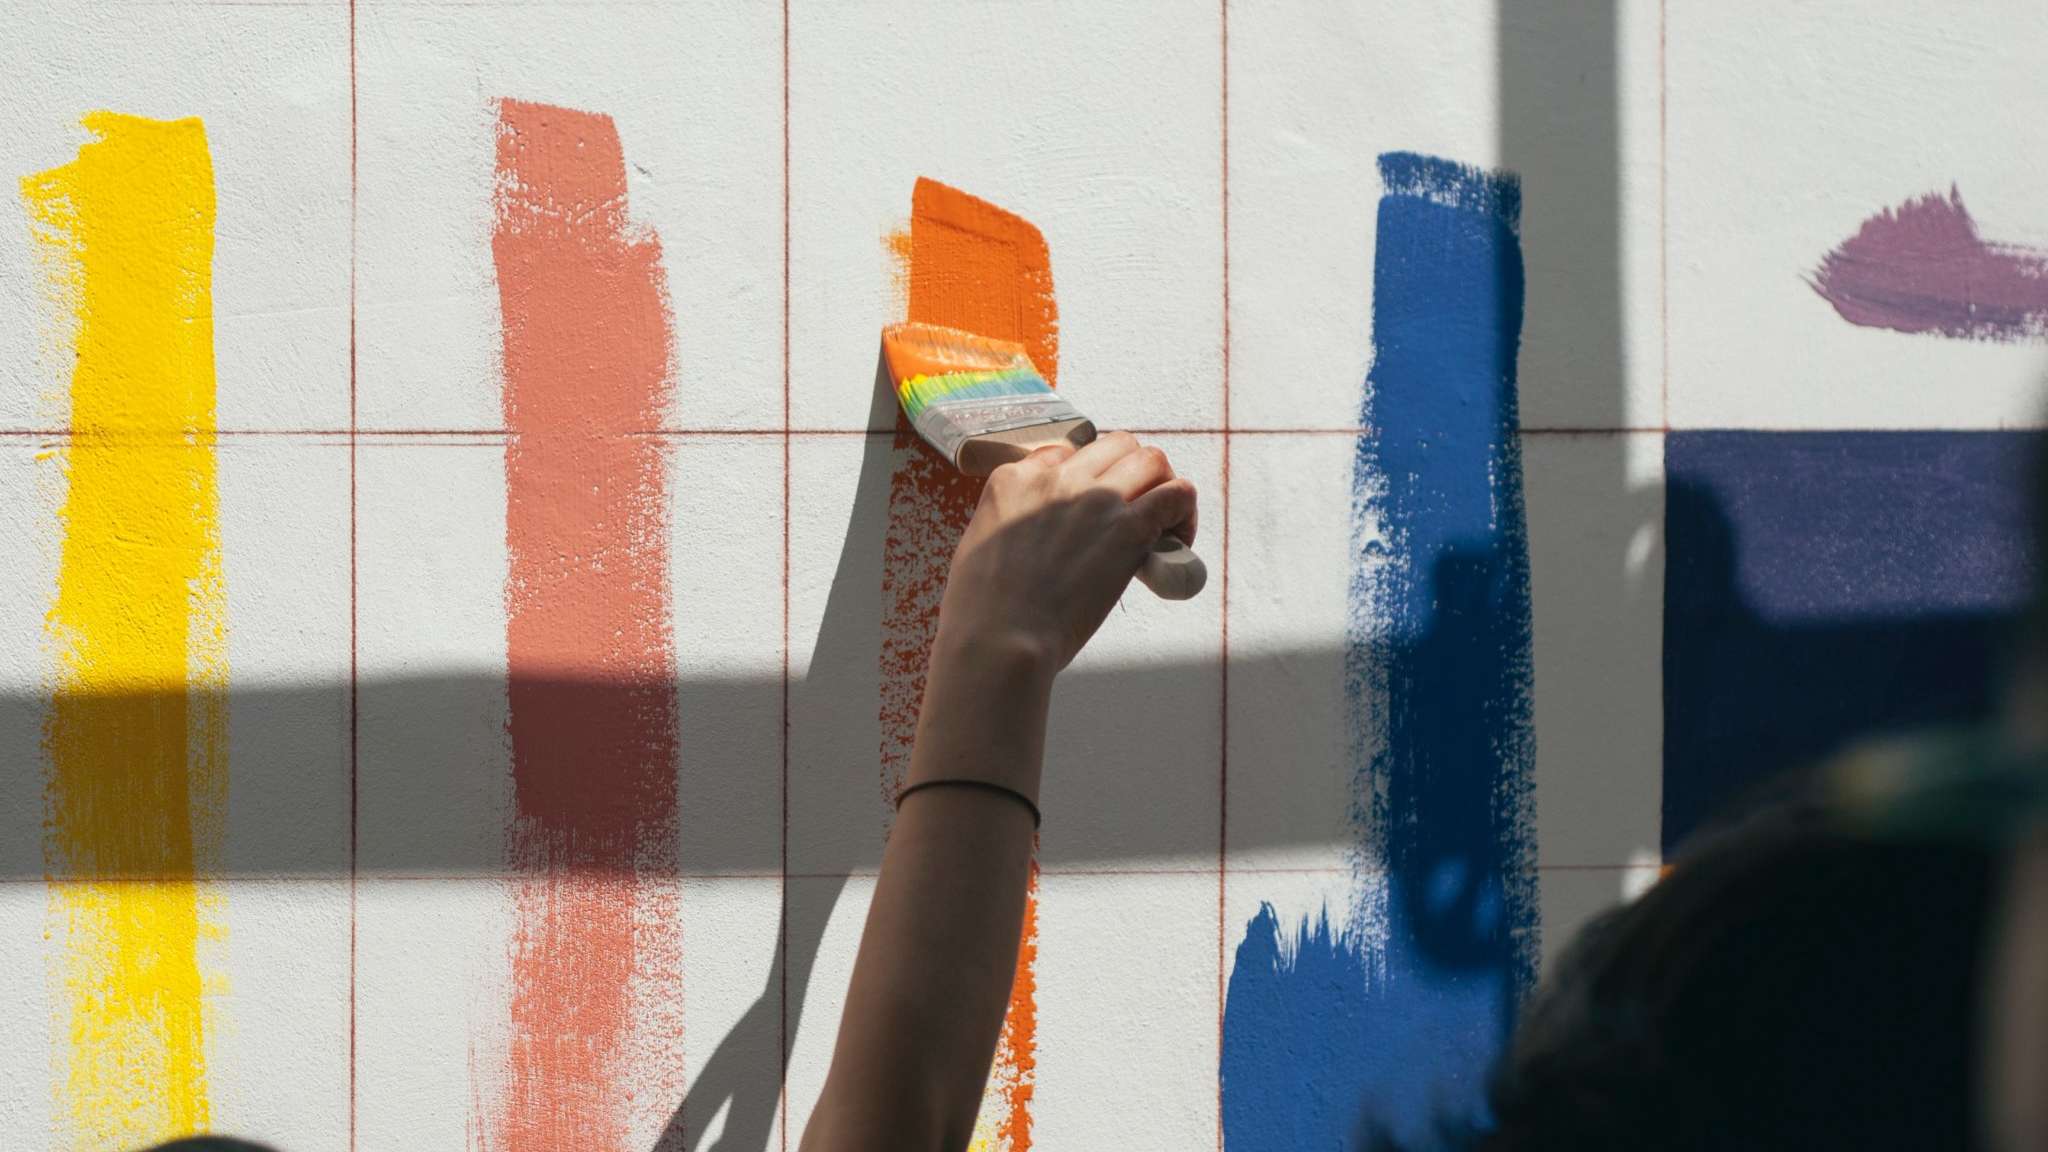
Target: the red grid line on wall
pixel 1223 640
pixel 354 712
pixel 353 436
pixel 782 880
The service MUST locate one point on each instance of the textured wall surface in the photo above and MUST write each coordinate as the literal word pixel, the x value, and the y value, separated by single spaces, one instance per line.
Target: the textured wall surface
pixel 466 598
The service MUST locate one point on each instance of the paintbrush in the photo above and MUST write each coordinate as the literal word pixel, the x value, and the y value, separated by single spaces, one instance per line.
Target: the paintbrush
pixel 981 404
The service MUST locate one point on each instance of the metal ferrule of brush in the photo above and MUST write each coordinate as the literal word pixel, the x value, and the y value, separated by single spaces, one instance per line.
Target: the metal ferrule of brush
pixel 948 424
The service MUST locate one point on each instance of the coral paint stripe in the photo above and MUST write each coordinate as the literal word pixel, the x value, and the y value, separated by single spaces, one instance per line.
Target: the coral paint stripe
pixel 135 728
pixel 972 266
pixel 592 663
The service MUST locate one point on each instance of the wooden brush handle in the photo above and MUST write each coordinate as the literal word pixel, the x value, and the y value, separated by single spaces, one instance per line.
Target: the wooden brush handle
pixel 1172 570
pixel 983 454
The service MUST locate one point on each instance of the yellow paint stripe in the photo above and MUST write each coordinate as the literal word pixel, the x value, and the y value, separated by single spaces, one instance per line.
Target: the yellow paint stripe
pixel 135 728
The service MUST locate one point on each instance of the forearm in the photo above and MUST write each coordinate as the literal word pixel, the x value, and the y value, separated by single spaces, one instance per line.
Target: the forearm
pixel 1053 543
pixel 939 950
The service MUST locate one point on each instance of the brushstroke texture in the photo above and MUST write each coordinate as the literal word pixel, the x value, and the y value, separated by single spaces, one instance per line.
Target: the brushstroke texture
pixel 1438 675
pixel 1860 581
pixel 1922 267
pixel 1298 1048
pixel 972 266
pixel 595 1008
pixel 135 729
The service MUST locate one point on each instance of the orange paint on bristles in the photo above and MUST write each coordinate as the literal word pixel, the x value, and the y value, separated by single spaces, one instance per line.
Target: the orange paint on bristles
pixel 935 350
pixel 931 364
pixel 980 269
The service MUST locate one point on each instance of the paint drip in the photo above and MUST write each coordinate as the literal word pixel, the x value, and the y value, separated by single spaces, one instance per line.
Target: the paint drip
pixel 973 266
pixel 595 1011
pixel 135 732
pixel 1922 267
pixel 1438 676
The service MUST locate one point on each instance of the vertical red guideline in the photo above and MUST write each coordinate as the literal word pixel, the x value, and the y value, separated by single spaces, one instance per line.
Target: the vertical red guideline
pixel 971 265
pixel 593 722
pixel 354 693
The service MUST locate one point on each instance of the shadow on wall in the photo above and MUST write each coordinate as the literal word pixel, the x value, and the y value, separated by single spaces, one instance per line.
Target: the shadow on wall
pixel 1897 604
pixel 1818 585
pixel 1922 661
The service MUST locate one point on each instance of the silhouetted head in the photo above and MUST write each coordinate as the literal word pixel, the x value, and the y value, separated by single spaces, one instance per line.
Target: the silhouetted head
pixel 1784 987
pixel 1856 964
pixel 2027 697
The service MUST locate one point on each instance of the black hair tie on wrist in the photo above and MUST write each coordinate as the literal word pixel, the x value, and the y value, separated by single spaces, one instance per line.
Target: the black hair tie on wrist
pixel 984 785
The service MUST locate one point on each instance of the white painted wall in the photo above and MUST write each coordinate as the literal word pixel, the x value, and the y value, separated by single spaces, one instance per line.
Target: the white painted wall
pixel 1749 138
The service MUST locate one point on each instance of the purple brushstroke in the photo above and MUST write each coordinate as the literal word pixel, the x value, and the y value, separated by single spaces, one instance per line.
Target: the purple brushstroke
pixel 1922 267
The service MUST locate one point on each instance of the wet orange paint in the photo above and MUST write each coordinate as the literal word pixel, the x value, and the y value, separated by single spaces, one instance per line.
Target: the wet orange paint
pixel 1014 1076
pixel 976 267
pixel 594 1037
pixel 969 265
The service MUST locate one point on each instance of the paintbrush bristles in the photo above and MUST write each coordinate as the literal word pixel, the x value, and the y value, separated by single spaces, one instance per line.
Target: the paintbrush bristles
pixel 978 402
pixel 918 392
pixel 935 350
pixel 931 364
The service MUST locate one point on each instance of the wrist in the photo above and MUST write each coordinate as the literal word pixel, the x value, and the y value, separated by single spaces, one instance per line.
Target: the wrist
pixel 984 713
pixel 1001 660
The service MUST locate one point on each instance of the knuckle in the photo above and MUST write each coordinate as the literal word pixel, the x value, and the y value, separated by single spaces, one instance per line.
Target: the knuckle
pixel 1009 477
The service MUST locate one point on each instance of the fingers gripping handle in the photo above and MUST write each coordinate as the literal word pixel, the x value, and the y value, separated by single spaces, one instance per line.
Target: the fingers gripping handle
pixel 1172 570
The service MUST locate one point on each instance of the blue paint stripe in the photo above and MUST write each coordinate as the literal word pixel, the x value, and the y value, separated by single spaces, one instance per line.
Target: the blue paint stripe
pixel 1325 1033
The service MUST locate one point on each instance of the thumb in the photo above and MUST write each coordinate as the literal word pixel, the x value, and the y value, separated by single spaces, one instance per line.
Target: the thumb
pixel 1169 508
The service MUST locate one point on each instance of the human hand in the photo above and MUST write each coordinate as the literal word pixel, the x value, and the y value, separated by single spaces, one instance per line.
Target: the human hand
pixel 1053 544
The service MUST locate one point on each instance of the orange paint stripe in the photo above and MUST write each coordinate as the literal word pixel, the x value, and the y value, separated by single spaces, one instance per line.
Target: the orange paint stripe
pixel 976 267
pixel 1014 1076
pixel 971 265
pixel 592 662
